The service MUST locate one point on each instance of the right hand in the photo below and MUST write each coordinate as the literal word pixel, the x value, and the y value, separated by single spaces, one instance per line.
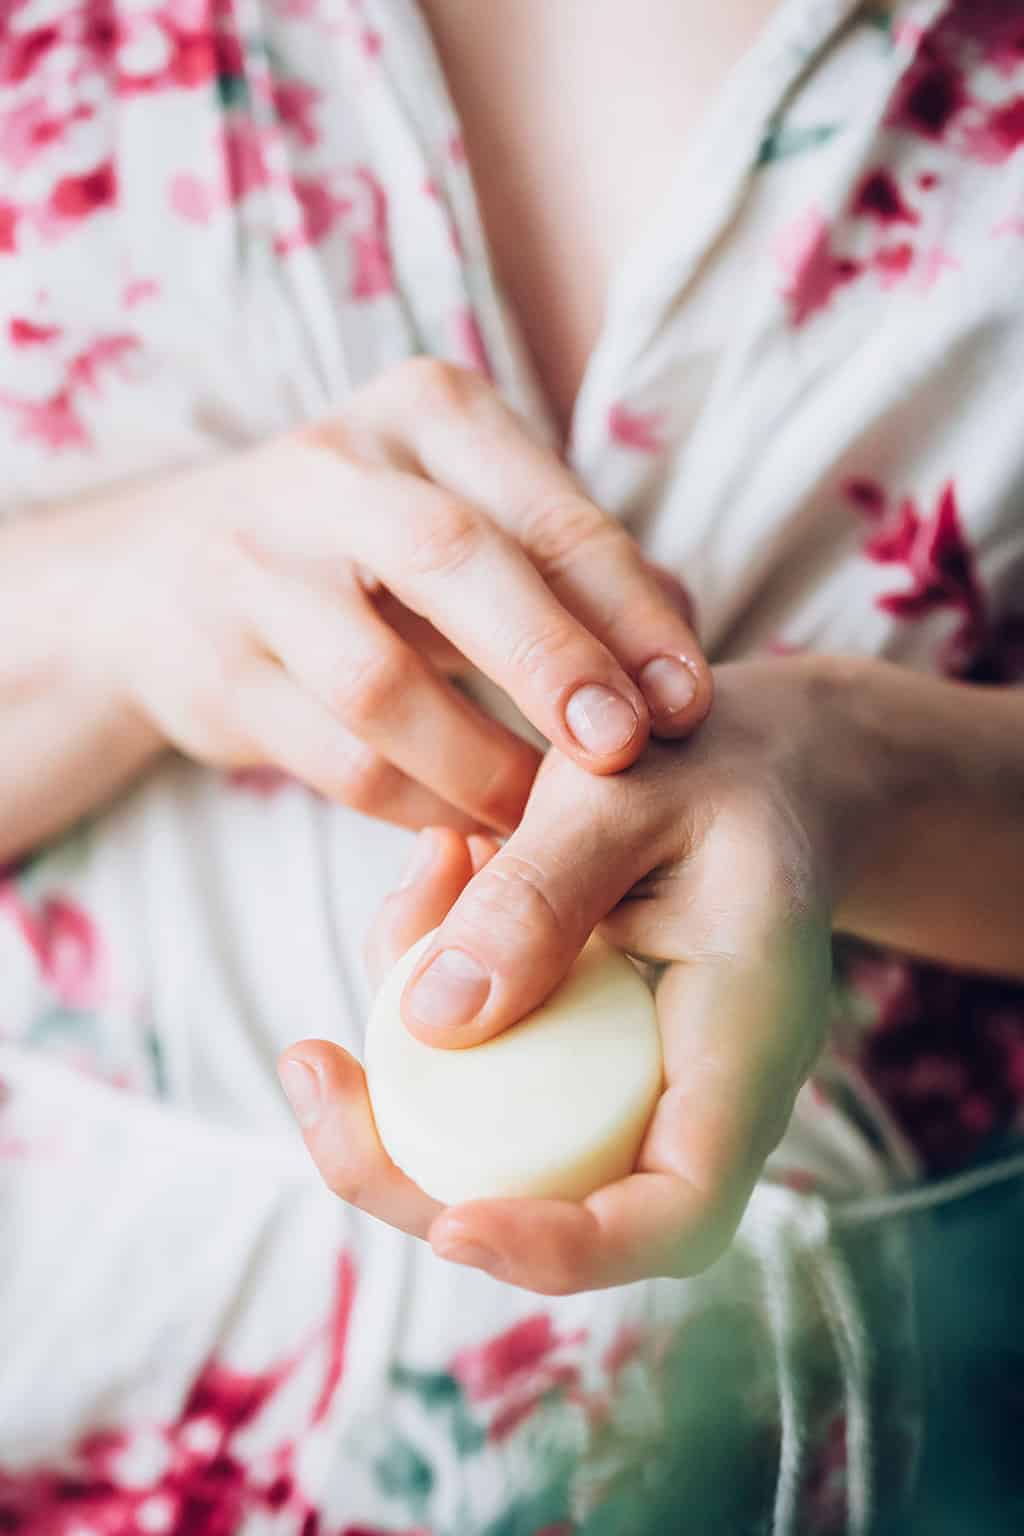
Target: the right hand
pixel 305 605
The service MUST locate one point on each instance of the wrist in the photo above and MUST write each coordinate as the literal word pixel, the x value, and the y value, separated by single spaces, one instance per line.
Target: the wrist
pixel 883 766
pixel 85 633
pixel 926 780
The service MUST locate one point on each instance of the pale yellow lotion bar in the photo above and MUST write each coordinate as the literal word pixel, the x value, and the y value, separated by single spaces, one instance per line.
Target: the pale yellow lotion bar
pixel 556 1106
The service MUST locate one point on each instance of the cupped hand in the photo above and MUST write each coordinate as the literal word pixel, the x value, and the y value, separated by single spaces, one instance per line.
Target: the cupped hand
pixel 306 605
pixel 718 858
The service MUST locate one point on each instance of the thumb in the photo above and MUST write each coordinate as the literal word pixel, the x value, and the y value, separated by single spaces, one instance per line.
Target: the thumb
pixel 522 920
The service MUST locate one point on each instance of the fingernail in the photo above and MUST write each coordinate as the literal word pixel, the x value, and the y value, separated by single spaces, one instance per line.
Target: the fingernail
pixel 422 858
pixel 451 991
pixel 601 721
pixel 301 1084
pixel 669 685
pixel 473 1254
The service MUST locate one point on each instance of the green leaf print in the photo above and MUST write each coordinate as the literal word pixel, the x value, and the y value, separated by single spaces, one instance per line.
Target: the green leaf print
pixel 233 91
pixel 439 1390
pixel 783 140
pixel 468 1436
pixel 62 1024
pixel 879 16
pixel 434 1389
pixel 402 1472
pixel 157 1067
pixel 546 1509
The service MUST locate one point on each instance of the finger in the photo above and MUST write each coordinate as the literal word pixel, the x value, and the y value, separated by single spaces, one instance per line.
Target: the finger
pixel 284 725
pixel 481 850
pixel 645 1225
pixel 740 1033
pixel 384 694
pixel 739 1037
pixel 449 563
pixel 440 867
pixel 521 922
pixel 420 636
pixel 468 441
pixel 326 1088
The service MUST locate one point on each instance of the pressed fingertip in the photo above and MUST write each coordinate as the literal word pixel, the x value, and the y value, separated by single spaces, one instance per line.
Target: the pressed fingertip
pixel 601 721
pixel 678 693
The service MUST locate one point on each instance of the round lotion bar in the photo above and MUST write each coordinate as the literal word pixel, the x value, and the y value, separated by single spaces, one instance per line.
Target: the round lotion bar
pixel 556 1106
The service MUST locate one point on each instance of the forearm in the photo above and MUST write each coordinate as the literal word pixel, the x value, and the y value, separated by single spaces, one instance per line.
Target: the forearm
pixel 67 741
pixel 933 854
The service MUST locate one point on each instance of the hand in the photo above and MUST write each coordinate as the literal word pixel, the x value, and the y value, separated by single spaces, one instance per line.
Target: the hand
pixel 719 858
pixel 306 604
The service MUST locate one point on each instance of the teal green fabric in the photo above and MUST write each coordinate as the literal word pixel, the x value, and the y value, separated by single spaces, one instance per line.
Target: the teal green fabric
pixel 969 1276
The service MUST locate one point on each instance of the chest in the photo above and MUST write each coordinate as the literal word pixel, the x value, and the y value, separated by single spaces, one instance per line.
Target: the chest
pixel 575 120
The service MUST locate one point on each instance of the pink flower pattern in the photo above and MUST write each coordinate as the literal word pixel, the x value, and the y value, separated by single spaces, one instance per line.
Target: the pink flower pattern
pixel 208 1483
pixel 946 1053
pixel 69 950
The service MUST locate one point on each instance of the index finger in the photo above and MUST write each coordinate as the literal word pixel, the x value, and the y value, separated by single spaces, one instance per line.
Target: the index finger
pixel 477 448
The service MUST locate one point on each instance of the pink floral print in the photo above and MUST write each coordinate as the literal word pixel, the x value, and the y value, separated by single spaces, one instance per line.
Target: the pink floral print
pixel 68 948
pixel 200 1479
pixel 270 210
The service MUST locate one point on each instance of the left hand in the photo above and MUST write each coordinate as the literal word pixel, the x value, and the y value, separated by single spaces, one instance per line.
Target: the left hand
pixel 720 857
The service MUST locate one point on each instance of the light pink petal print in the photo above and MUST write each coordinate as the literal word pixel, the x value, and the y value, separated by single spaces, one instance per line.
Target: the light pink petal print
pixel 294 102
pixel 138 289
pixel 639 430
pixel 998 133
pixel 246 169
pixel 934 262
pixel 76 197
pixel 104 352
pixel 29 129
pixel 9 216
pixel 193 199
pixel 371 250
pixel 337 1336
pixel 813 269
pixel 486 1370
pixel 68 947
pixel 54 423
pixel 894 541
pixel 893 263
pixel 73 956
pixel 29 333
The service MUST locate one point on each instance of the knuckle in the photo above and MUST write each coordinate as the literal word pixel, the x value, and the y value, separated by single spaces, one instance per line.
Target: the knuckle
pixel 555 646
pixel 510 897
pixel 368 692
pixel 558 533
pixel 444 540
pixel 366 782
pixel 438 387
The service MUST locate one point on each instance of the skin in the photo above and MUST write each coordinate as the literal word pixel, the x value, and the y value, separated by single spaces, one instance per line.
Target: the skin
pixel 819 794
pixel 574 132
pixel 223 613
